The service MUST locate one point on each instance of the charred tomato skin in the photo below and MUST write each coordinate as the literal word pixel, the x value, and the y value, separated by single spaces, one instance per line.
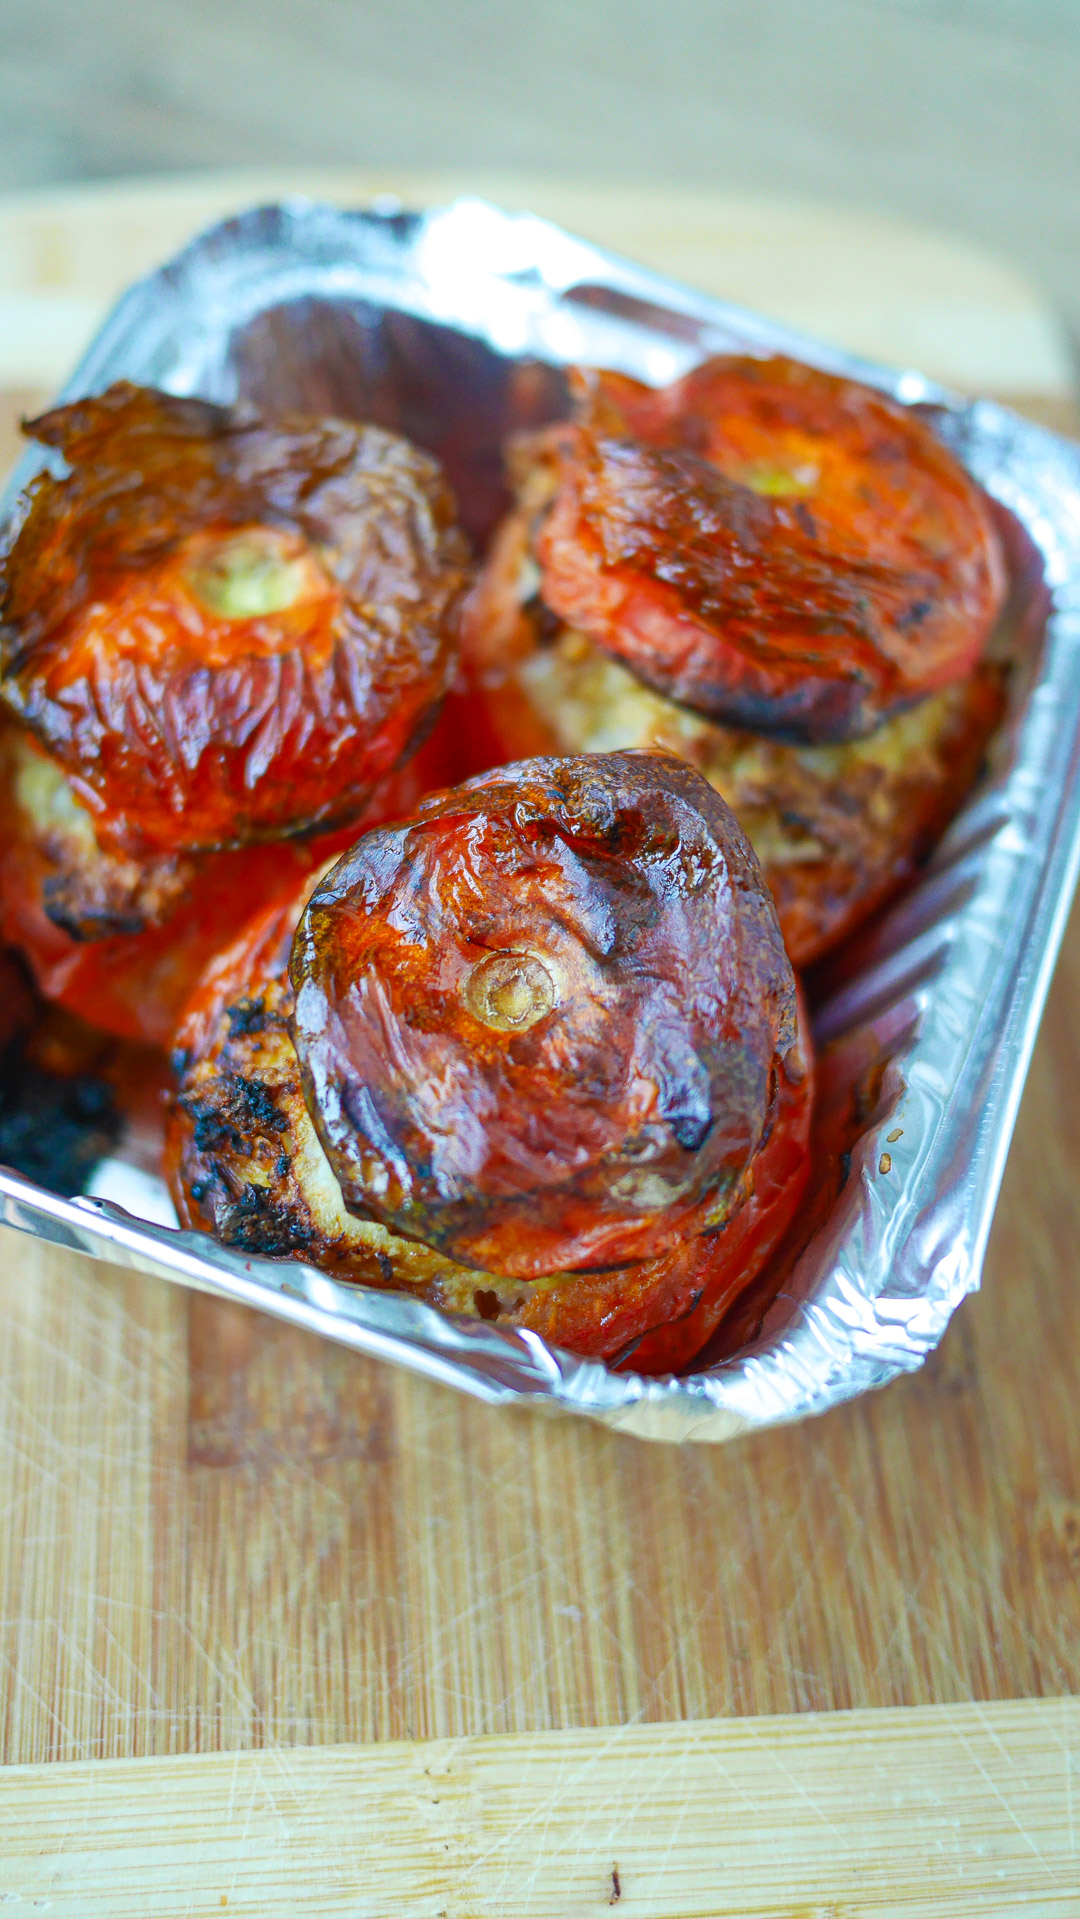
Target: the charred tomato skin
pixel 539 1023
pixel 243 1162
pixel 775 547
pixel 838 828
pixel 226 629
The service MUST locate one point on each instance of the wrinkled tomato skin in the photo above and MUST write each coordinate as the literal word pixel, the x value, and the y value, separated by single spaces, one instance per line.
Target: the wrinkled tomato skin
pixel 772 546
pixel 616 1110
pixel 186 727
pixel 135 984
pixel 838 828
pixel 238 1165
pixel 656 1318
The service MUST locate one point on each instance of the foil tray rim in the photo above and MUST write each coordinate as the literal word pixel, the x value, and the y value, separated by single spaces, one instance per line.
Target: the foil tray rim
pixel 879 1283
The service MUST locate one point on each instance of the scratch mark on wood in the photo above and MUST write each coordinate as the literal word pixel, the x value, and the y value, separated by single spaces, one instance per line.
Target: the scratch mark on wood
pixel 999 1795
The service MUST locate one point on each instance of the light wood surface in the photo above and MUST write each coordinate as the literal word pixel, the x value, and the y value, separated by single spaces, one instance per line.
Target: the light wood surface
pixel 962 112
pixel 219 1533
pixel 877 286
pixel 952 1812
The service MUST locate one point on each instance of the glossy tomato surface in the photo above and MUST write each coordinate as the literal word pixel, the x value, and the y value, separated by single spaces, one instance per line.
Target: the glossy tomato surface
pixel 773 546
pixel 538 1023
pixel 226 629
pixel 244 1163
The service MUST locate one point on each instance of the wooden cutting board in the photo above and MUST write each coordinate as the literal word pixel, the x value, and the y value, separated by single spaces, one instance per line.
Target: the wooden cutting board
pixel 942 1813
pixel 219 1533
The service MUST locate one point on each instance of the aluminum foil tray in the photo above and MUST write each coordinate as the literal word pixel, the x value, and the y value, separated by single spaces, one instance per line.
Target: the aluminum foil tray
pixel 452 325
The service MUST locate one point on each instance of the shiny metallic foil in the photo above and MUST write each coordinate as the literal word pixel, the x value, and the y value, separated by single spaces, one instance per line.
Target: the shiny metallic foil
pixel 451 326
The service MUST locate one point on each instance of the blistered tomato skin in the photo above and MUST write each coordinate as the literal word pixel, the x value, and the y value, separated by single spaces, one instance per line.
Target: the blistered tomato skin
pixel 243 1162
pixel 539 1024
pixel 226 630
pixel 774 547
pixel 656 1317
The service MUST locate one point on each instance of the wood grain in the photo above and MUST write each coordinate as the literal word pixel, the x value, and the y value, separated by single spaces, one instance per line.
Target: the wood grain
pixel 949 1811
pixel 219 1533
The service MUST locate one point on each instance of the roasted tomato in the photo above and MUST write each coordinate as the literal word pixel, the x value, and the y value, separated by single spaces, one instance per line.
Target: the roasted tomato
pixel 244 1162
pixel 224 629
pixel 539 1023
pixel 774 547
pixel 837 828
pixel 122 942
